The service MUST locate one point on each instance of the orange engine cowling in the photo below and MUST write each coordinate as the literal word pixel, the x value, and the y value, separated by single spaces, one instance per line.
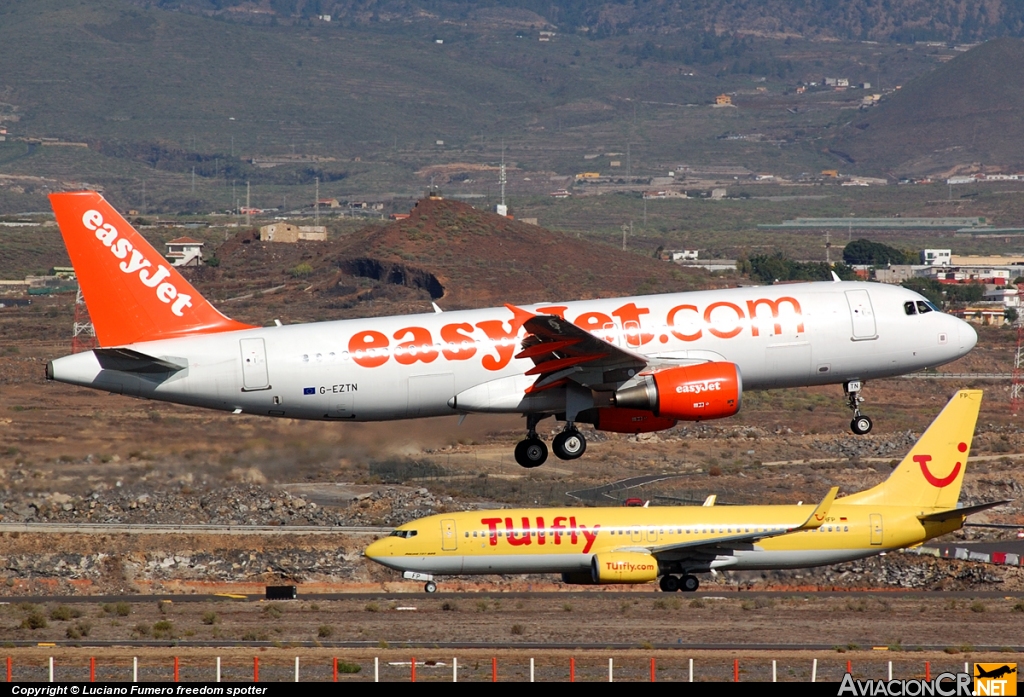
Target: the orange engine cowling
pixel 623 567
pixel 688 393
pixel 634 421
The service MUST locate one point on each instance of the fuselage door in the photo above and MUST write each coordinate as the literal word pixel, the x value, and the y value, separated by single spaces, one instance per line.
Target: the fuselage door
pixel 636 534
pixel 862 315
pixel 876 528
pixel 254 365
pixel 449 536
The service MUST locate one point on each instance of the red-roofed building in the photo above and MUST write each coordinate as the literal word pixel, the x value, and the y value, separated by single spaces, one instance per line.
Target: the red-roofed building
pixel 185 251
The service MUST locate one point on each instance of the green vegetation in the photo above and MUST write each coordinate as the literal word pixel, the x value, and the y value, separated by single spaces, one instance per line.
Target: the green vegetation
pixel 776 267
pixel 876 254
pixel 64 613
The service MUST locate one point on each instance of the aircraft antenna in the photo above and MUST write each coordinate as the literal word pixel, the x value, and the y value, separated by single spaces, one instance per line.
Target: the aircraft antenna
pixel 84 336
pixel 1016 381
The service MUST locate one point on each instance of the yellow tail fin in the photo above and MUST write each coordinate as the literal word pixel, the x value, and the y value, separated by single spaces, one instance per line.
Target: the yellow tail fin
pixel 932 472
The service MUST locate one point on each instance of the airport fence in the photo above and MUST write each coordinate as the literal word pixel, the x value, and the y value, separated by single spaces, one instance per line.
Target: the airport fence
pixel 476 668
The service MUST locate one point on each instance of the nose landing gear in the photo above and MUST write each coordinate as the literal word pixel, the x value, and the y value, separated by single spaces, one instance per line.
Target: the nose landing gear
pixel 860 424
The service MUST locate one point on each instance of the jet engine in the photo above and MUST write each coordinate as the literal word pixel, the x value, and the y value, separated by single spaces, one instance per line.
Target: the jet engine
pixel 688 393
pixel 624 567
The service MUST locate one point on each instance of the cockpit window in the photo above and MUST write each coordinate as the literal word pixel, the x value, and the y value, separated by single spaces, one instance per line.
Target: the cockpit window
pixel 923 307
pixel 909 307
pixel 405 534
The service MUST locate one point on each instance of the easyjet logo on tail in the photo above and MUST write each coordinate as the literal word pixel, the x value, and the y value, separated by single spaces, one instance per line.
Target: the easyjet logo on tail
pixel 136 263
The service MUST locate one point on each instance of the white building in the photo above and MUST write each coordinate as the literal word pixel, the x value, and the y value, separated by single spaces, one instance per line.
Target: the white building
pixel 185 251
pixel 936 257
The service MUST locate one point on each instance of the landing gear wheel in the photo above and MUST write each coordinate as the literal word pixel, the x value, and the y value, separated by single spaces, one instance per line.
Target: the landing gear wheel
pixel 690 583
pixel 430 587
pixel 531 452
pixel 860 425
pixel 569 445
pixel 669 584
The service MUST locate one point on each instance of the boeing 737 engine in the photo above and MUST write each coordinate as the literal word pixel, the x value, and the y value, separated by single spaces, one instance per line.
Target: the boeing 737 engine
pixel 624 567
pixel 687 393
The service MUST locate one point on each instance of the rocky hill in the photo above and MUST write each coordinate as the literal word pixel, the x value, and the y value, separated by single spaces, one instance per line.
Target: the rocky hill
pixel 966 111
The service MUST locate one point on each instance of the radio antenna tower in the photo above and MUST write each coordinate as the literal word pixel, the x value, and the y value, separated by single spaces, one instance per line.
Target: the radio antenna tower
pixel 84 336
pixel 1016 381
pixel 501 208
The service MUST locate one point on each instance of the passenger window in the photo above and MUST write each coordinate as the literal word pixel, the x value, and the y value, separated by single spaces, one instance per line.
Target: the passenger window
pixel 922 307
pixel 910 308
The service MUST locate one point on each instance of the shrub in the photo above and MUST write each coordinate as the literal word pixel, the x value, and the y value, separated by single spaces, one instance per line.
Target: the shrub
pixel 210 617
pixel 64 613
pixel 345 667
pixel 325 631
pixel 35 620
pixel 164 629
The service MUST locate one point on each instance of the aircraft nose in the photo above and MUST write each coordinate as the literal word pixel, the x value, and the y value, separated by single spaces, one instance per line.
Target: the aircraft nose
pixel 968 336
pixel 376 549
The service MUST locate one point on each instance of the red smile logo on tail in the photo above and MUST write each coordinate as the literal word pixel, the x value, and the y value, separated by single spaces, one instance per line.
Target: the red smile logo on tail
pixel 939 482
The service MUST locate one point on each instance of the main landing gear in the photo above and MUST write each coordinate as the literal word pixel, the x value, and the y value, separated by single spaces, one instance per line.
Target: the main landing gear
pixel 532 452
pixel 671 584
pixel 860 424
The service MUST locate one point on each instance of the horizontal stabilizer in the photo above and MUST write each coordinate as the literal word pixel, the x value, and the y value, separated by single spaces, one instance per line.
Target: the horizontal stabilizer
pixel 129 361
pixel 958 512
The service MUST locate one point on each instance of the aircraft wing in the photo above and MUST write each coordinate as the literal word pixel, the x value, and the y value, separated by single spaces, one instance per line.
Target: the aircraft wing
pixel 563 351
pixel 961 512
pixel 726 543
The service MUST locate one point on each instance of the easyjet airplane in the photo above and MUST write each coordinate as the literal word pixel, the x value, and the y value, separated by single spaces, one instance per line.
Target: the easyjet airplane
pixel 637 545
pixel 628 365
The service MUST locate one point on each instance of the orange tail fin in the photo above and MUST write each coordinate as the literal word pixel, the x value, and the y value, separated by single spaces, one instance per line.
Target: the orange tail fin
pixel 132 292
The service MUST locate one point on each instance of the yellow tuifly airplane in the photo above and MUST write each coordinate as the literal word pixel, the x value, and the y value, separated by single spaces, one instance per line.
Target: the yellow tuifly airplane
pixel 917 502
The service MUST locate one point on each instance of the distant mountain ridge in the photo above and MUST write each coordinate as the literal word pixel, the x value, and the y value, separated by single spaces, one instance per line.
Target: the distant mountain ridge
pixel 965 111
pixel 874 20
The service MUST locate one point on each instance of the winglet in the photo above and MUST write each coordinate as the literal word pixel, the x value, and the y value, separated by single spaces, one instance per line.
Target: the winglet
pixel 835 277
pixel 821 512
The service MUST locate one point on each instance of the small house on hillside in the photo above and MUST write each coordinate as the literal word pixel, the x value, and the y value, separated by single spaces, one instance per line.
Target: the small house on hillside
pixel 185 251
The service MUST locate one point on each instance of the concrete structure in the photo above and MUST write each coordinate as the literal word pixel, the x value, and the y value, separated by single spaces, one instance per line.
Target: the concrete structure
pixel 684 254
pixel 723 100
pixel 185 251
pixel 881 223
pixel 288 233
pixel 895 274
pixel 936 257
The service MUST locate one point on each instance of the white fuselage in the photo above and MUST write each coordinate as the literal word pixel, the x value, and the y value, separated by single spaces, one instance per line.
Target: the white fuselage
pixel 445 363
